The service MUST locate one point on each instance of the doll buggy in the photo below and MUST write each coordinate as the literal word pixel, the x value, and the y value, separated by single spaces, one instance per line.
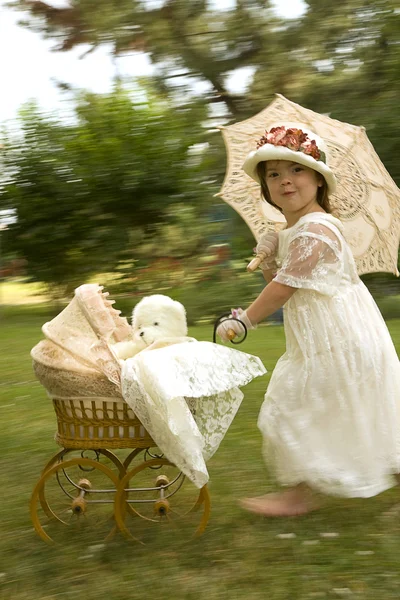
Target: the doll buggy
pixel 100 436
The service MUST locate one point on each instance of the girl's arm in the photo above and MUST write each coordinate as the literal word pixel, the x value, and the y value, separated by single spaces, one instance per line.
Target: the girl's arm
pixel 273 297
pixel 268 275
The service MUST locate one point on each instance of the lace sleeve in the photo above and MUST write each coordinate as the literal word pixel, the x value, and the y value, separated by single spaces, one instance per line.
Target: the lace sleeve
pixel 314 260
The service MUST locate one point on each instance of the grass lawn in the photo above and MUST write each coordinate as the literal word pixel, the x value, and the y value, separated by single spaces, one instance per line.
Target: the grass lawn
pixel 351 548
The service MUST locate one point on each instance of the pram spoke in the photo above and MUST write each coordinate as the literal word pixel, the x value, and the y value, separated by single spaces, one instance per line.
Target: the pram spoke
pixel 84 499
pixel 163 496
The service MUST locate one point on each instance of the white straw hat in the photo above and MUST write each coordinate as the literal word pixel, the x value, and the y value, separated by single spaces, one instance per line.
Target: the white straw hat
pixel 294 142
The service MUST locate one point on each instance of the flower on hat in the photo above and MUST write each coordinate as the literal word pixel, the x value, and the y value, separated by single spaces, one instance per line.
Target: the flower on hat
pixel 310 147
pixel 275 135
pixel 293 139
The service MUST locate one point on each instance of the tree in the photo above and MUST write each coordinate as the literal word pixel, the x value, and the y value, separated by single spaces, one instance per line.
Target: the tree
pixel 183 38
pixel 341 57
pixel 84 192
pixel 329 57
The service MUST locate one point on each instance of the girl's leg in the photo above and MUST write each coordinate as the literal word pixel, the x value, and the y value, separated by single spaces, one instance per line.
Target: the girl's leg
pixel 291 502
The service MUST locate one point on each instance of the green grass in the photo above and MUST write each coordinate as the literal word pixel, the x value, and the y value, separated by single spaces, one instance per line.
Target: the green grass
pixel 240 556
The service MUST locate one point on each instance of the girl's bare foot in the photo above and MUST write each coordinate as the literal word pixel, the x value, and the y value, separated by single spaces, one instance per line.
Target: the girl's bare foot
pixel 292 502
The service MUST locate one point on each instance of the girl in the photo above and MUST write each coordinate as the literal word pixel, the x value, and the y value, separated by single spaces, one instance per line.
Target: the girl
pixel 331 416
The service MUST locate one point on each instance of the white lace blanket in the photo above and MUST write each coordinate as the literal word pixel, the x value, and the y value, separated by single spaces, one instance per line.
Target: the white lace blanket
pixel 186 396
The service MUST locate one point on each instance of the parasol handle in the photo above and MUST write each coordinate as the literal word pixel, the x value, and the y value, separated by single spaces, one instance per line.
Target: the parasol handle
pixel 255 263
pixel 230 334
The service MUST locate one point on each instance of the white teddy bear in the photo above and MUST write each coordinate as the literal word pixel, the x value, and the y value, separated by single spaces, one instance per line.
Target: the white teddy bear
pixel 157 321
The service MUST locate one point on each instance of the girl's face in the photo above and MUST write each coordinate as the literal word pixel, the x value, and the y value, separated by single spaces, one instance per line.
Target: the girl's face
pixel 293 187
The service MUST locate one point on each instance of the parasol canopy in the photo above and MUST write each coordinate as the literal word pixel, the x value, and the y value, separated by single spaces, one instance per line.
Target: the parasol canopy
pixel 367 200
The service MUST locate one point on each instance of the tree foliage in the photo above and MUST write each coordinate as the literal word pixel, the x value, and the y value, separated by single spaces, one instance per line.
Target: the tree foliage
pixel 183 38
pixel 342 57
pixel 336 55
pixel 85 192
pixel 359 40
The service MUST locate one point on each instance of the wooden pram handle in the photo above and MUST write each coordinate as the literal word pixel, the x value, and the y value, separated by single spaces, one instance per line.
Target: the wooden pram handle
pixel 255 263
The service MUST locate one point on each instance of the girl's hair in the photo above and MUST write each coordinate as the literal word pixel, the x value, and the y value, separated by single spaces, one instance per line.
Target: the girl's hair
pixel 322 193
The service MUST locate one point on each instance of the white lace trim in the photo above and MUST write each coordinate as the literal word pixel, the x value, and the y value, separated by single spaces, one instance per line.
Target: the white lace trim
pixel 186 396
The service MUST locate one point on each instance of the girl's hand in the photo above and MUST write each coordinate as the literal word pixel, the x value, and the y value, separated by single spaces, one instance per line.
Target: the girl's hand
pixel 229 329
pixel 268 246
pixel 268 243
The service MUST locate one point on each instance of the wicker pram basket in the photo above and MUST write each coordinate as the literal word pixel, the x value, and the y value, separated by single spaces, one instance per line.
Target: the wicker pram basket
pixel 98 424
pixel 81 375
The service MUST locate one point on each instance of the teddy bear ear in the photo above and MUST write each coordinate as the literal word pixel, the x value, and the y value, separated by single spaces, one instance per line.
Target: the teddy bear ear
pixel 179 307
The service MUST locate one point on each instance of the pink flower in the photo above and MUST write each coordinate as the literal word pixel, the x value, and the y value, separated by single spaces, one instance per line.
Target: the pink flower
pixel 281 142
pixel 294 138
pixel 292 142
pixel 276 135
pixel 310 147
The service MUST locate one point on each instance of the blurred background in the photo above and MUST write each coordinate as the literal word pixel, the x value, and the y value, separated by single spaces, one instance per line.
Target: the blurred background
pixel 110 156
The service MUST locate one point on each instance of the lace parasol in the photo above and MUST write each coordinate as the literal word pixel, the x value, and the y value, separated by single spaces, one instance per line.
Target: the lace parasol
pixel 367 200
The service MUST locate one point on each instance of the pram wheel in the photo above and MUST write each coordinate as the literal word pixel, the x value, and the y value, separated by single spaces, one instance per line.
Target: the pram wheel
pixel 78 493
pixel 83 496
pixel 157 494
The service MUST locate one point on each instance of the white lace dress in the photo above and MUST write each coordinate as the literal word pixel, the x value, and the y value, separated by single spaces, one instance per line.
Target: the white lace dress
pixel 331 415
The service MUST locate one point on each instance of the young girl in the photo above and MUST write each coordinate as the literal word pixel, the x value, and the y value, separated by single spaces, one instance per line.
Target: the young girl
pixel 331 416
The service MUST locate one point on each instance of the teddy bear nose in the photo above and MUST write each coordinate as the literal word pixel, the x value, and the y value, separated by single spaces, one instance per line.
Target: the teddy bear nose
pixel 141 334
